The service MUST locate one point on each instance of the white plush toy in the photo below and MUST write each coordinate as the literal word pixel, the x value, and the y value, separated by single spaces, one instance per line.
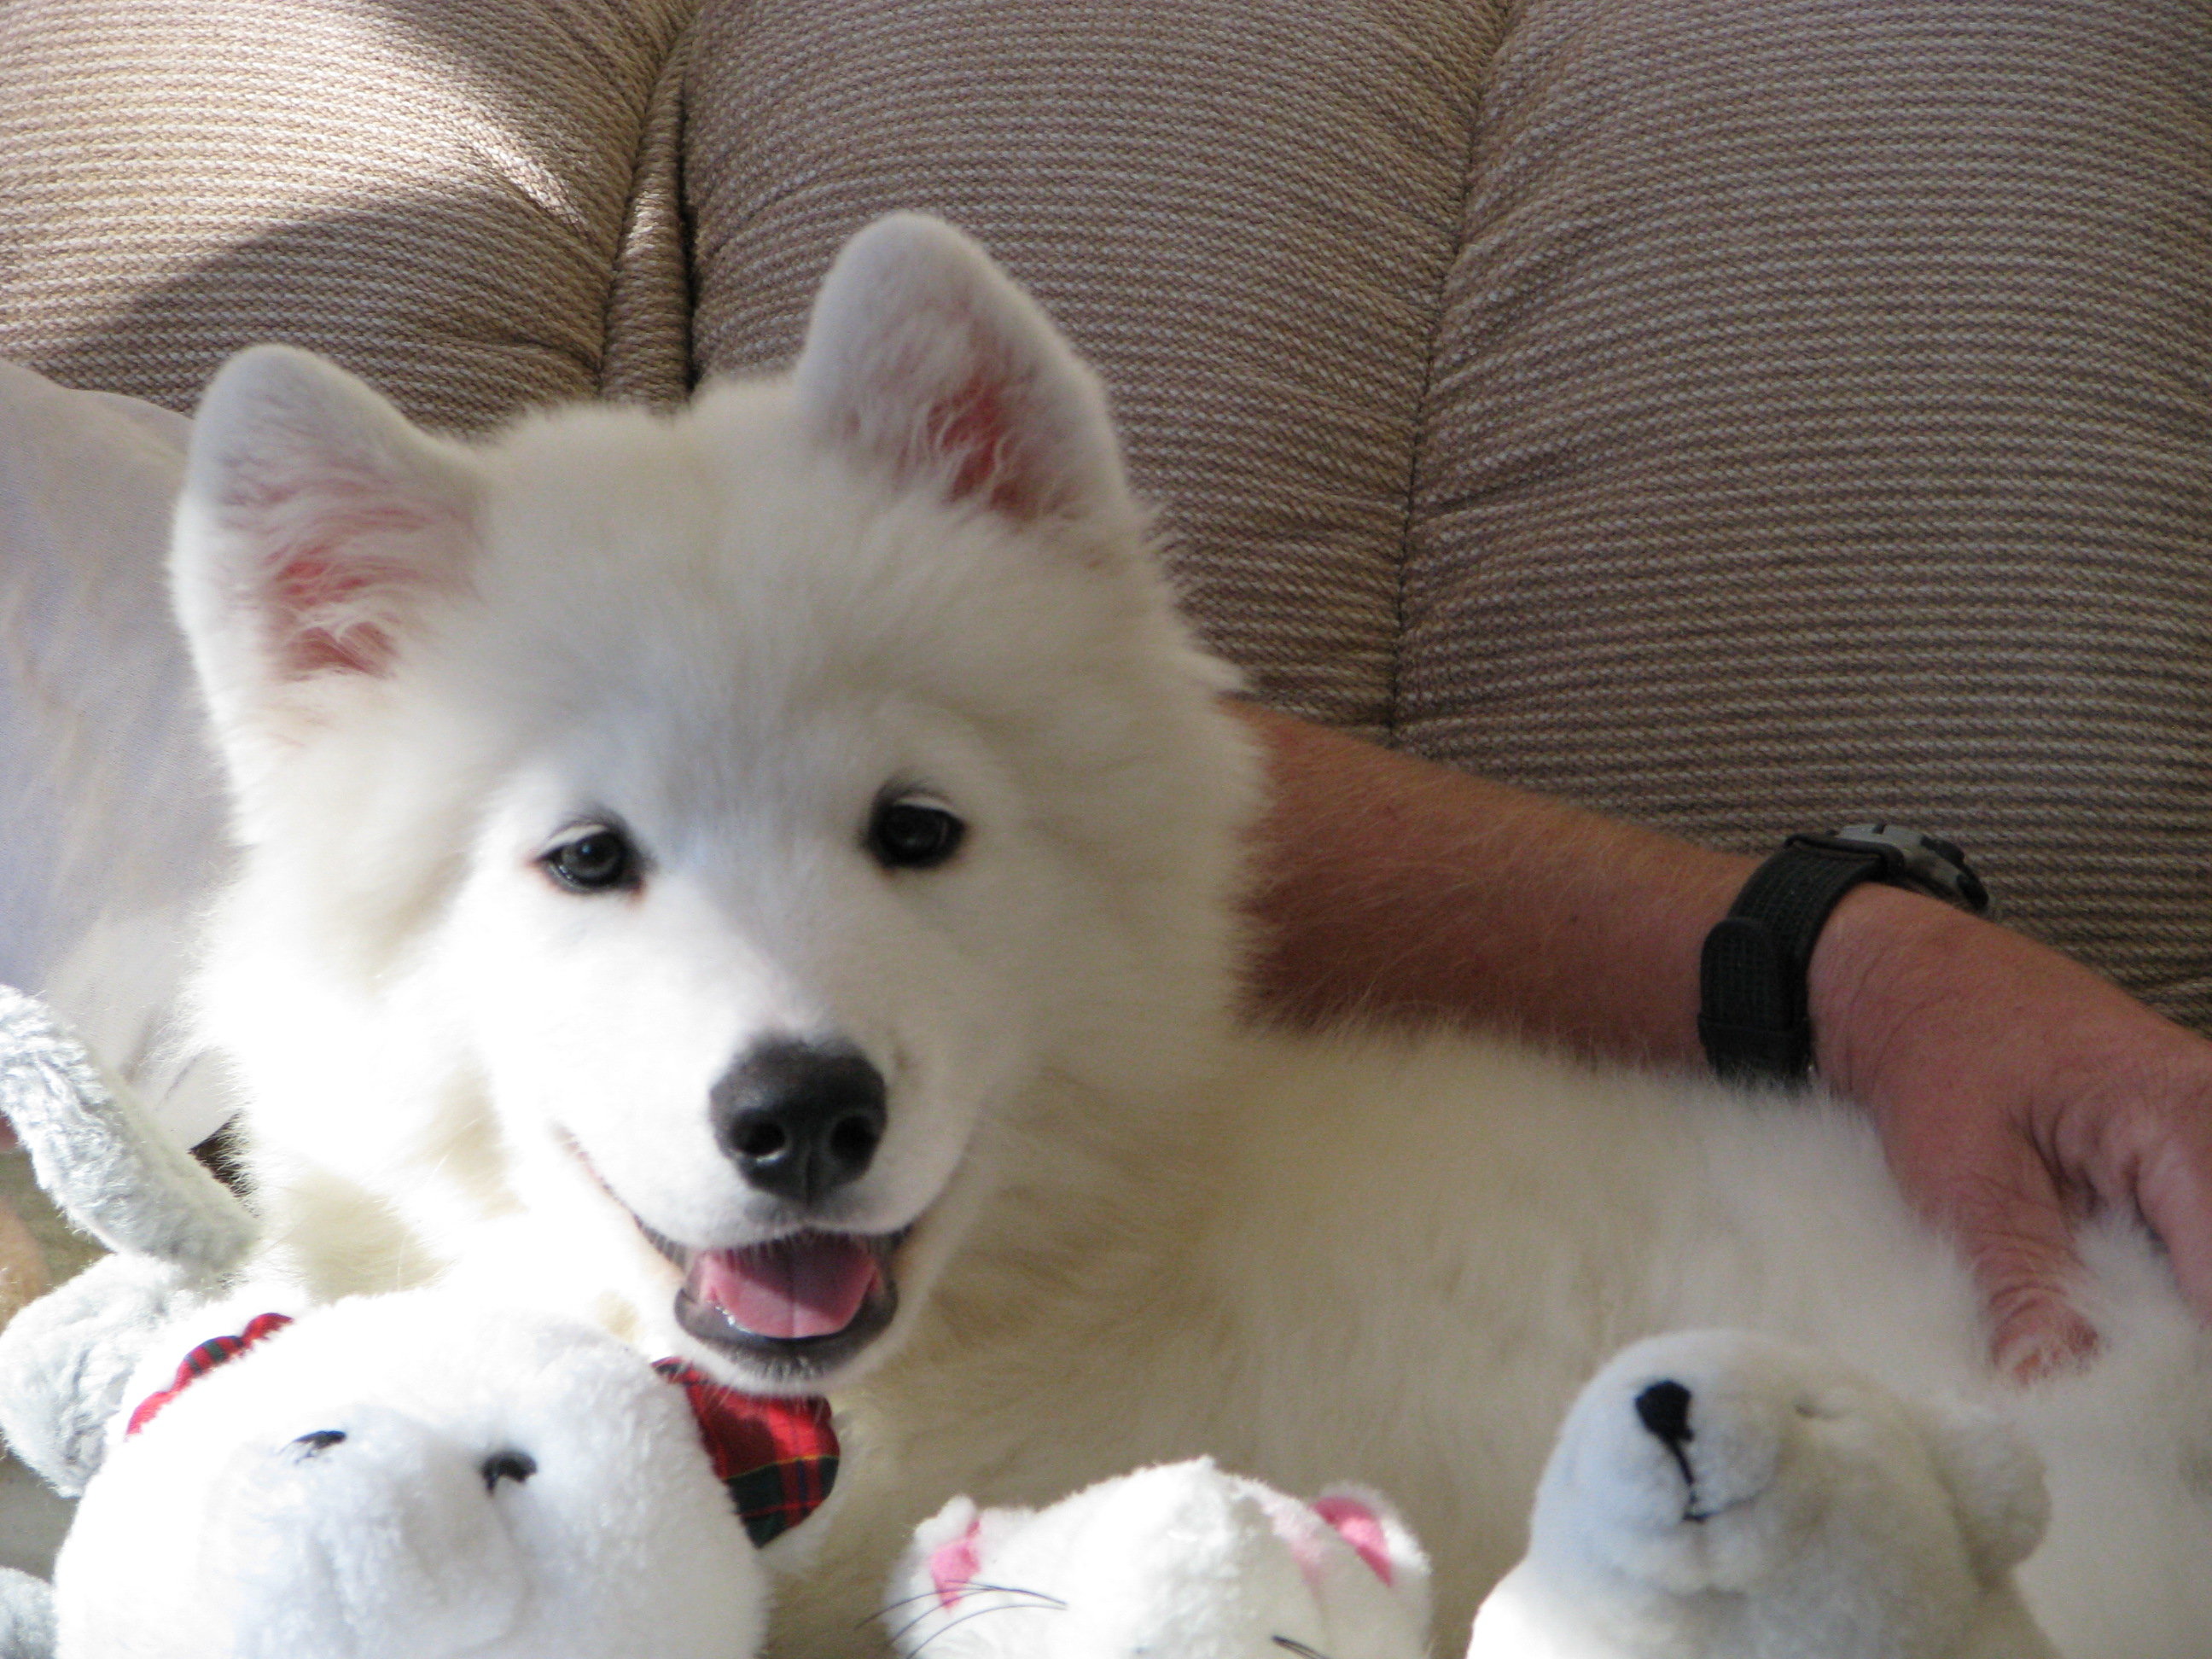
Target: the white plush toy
pixel 1717 1495
pixel 404 1477
pixel 414 1476
pixel 1181 1560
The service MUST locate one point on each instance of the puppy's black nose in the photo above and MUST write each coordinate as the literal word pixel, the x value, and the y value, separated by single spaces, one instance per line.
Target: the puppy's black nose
pixel 1664 1408
pixel 800 1119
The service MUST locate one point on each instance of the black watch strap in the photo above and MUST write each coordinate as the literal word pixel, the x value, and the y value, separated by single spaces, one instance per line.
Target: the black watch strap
pixel 1752 1015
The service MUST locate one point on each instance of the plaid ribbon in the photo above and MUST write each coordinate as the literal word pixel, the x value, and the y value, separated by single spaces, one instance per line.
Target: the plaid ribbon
pixel 778 1457
pixel 215 1351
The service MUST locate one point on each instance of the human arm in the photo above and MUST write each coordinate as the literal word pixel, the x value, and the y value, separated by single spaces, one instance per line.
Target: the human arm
pixel 2014 1089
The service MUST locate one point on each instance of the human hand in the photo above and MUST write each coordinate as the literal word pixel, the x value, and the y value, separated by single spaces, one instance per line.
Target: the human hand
pixel 2016 1090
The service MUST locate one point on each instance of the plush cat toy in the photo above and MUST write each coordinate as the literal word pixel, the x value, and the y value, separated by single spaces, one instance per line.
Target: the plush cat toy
pixel 411 1476
pixel 1724 1496
pixel 1181 1560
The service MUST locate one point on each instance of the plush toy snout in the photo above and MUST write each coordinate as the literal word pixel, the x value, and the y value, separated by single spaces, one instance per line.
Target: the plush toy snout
pixel 385 1536
pixel 1684 1453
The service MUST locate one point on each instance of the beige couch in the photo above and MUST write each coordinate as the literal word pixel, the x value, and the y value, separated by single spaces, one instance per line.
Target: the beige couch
pixel 1739 415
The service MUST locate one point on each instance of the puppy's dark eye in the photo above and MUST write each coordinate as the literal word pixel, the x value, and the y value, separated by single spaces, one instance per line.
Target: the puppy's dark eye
pixel 599 860
pixel 912 832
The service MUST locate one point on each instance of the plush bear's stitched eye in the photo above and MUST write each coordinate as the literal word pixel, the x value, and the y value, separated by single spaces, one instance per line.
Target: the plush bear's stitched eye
pixel 913 832
pixel 598 859
pixel 515 1466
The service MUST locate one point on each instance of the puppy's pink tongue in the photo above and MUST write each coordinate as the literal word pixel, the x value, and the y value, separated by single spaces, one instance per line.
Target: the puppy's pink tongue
pixel 810 1284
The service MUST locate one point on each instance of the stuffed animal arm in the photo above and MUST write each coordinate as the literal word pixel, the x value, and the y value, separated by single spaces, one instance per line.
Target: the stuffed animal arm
pixel 112 1171
pixel 101 1157
pixel 65 1359
pixel 1181 1560
pixel 1722 1495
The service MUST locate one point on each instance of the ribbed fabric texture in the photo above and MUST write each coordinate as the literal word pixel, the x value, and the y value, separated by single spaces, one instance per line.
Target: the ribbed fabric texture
pixel 434 193
pixel 1821 429
pixel 1739 415
pixel 648 329
pixel 1240 212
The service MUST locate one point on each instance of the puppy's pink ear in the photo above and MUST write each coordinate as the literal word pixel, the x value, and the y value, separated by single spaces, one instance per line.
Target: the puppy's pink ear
pixel 313 522
pixel 925 358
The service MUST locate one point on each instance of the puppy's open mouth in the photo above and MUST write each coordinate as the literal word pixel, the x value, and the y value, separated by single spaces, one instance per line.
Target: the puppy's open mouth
pixel 797 1306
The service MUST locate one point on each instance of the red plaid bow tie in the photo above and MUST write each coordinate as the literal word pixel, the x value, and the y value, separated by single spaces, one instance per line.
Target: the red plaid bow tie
pixel 777 1457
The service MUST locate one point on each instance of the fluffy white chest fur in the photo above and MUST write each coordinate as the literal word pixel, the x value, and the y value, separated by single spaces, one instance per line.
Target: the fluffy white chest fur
pixel 766 880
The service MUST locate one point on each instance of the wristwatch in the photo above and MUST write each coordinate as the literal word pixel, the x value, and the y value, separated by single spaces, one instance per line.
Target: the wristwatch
pixel 1753 1017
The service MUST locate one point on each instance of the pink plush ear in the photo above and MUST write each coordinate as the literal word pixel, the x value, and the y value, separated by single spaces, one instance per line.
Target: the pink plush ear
pixel 923 358
pixel 953 1564
pixel 1358 1525
pixel 314 523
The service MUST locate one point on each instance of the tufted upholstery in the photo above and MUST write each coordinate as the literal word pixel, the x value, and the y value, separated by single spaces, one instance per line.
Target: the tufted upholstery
pixel 1734 414
pixel 458 201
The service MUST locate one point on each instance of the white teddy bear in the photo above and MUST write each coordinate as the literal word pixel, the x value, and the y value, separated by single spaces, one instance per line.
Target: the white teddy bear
pixel 1718 1495
pixel 414 1476
pixel 1181 1560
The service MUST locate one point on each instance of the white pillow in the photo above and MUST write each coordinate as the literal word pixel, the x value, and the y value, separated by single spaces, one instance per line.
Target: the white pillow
pixel 112 820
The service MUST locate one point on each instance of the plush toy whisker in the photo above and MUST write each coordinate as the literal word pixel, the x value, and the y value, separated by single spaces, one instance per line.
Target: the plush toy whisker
pixel 1297 1647
pixel 1038 1599
pixel 1040 1603
pixel 966 1585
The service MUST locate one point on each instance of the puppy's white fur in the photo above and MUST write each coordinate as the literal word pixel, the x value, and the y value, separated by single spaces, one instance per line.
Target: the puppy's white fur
pixel 1137 1235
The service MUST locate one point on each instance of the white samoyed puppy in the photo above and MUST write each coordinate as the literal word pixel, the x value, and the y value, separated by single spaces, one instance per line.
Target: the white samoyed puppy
pixel 765 879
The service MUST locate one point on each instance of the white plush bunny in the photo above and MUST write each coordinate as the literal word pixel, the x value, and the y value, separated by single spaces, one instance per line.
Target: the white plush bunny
pixel 1181 1560
pixel 1718 1495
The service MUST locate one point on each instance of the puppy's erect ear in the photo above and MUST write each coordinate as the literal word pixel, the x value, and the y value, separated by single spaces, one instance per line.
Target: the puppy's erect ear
pixel 313 523
pixel 923 356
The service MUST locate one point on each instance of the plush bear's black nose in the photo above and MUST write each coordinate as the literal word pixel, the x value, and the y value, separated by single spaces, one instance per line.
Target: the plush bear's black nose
pixel 800 1119
pixel 1664 1408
